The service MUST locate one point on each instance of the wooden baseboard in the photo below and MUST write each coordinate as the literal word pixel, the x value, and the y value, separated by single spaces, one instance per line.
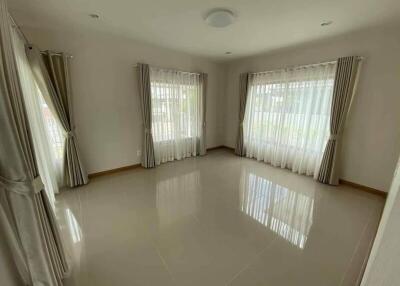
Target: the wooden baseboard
pixel 112 171
pixel 130 167
pixel 221 147
pixel 215 148
pixel 341 181
pixel 363 188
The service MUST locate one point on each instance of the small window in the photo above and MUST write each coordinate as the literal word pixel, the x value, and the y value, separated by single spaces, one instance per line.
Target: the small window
pixel 55 131
pixel 176 114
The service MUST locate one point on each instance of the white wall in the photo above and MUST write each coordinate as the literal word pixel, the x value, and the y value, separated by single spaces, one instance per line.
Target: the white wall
pixel 106 102
pixel 383 264
pixel 372 135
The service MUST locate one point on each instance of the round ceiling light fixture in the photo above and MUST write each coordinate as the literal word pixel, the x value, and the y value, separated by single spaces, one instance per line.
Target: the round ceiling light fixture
pixel 326 23
pixel 94 16
pixel 220 18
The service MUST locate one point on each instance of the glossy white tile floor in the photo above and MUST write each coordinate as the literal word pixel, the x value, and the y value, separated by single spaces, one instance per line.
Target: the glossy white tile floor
pixel 216 220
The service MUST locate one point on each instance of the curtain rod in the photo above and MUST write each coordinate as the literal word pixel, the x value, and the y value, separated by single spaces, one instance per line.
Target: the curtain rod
pixel 15 25
pixel 166 69
pixel 302 66
pixel 57 54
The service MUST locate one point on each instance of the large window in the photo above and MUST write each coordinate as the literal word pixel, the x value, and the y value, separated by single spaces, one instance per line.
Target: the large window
pixel 287 116
pixel 176 101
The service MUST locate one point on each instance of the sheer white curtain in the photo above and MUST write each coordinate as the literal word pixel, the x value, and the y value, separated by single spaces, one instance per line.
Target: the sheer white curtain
pixel 46 157
pixel 176 111
pixel 287 116
pixel 57 136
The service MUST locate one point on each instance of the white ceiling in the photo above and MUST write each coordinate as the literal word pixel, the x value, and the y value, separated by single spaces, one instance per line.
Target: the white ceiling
pixel 261 26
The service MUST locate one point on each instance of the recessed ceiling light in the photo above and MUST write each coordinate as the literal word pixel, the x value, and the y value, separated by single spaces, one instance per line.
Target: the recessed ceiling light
pixel 94 16
pixel 326 23
pixel 219 17
pixel 228 53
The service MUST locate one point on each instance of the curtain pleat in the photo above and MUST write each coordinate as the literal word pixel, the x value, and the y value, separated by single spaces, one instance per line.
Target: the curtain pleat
pixel 52 77
pixel 25 210
pixel 11 235
pixel 345 81
pixel 148 160
pixel 243 89
pixel 203 82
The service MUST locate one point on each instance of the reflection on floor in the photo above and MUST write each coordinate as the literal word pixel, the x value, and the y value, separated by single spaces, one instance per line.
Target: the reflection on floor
pixel 285 212
pixel 216 220
pixel 177 198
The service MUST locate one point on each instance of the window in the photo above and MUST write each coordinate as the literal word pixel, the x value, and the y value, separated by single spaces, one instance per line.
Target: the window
pixel 57 139
pixel 176 103
pixel 174 111
pixel 287 116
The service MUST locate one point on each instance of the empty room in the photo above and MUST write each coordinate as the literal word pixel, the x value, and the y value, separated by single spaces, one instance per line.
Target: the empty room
pixel 188 143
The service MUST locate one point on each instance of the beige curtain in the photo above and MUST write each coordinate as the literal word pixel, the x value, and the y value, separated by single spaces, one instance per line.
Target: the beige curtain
pixel 243 89
pixel 148 159
pixel 51 72
pixel 345 80
pixel 25 212
pixel 203 83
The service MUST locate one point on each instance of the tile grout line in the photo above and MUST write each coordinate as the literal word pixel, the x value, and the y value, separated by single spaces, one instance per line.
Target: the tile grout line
pixel 365 261
pixel 370 244
pixel 357 247
pixel 251 261
pixel 166 266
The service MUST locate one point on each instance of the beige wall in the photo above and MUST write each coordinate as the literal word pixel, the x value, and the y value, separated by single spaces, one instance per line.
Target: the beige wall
pixel 372 135
pixel 105 99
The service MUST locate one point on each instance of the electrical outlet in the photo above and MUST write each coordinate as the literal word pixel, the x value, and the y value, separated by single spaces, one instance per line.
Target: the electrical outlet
pixel 139 153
